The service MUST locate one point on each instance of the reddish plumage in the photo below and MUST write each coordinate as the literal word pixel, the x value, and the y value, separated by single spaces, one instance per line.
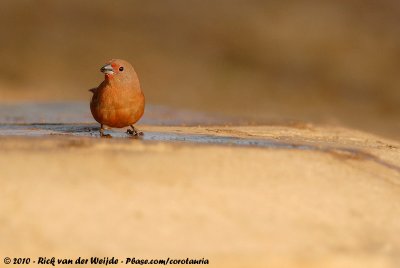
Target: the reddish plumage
pixel 118 101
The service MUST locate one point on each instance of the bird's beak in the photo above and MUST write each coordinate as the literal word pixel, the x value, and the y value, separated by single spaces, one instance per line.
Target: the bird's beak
pixel 107 69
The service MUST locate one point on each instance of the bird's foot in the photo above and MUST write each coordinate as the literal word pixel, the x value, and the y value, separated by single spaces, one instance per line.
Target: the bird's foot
pixel 102 135
pixel 134 132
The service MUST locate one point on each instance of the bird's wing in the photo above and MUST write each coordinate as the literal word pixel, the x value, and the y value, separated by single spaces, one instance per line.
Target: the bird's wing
pixel 93 90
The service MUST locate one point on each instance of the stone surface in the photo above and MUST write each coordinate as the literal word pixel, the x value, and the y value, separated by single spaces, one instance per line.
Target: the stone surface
pixel 289 195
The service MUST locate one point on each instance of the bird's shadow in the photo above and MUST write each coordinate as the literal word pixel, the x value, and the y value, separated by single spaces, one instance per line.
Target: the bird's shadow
pixel 77 130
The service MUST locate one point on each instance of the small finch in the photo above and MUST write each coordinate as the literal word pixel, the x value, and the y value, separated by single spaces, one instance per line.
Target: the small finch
pixel 118 101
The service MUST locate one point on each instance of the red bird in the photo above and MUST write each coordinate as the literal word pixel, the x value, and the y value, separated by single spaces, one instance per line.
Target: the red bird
pixel 118 101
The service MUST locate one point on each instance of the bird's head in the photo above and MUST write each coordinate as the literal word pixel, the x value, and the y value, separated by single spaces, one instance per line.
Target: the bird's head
pixel 117 70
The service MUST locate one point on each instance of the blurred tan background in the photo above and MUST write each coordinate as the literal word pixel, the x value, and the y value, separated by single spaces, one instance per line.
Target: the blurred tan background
pixel 318 61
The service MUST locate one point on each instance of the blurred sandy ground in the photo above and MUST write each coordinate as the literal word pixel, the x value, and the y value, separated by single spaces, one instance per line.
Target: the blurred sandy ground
pixel 320 61
pixel 304 207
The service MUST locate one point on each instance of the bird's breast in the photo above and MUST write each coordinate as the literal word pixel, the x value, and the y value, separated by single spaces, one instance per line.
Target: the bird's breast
pixel 117 107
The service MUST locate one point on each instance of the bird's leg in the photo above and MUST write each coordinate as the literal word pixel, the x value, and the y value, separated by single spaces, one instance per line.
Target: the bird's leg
pixel 102 132
pixel 134 131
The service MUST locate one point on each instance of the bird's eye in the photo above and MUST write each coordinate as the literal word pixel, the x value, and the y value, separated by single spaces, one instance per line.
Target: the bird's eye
pixel 121 69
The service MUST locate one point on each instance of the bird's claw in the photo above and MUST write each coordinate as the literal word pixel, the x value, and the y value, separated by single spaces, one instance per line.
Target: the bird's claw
pixel 134 132
pixel 102 135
